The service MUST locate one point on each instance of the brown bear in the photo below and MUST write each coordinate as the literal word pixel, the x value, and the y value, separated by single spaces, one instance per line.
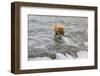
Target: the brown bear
pixel 59 29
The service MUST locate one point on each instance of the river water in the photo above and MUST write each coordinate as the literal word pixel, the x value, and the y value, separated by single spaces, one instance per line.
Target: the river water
pixel 42 44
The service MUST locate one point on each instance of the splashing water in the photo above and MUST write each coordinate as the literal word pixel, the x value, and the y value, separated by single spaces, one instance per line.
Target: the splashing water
pixel 66 40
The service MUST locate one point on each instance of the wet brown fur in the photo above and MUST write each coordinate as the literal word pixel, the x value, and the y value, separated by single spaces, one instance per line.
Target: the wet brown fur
pixel 59 29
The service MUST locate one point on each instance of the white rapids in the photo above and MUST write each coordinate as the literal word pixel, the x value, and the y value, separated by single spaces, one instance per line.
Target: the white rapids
pixel 67 40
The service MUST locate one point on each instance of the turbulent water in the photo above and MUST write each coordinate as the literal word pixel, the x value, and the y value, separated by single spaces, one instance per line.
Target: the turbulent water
pixel 42 44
